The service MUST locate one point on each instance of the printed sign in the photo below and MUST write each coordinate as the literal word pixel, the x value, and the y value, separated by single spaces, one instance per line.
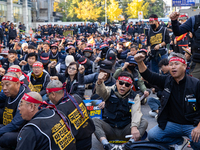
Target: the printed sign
pixel 92 107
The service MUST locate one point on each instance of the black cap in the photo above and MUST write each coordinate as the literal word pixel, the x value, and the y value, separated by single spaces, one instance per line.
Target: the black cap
pixel 111 57
pixel 107 66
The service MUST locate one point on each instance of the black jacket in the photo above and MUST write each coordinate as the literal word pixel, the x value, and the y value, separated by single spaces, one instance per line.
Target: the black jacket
pixel 5 63
pixel 12 33
pixel 73 87
pixel 192 91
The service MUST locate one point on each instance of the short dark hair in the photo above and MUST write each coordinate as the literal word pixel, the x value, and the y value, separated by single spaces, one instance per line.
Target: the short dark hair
pixel 31 55
pixel 163 62
pixel 12 51
pixel 126 74
pixel 46 43
pixel 31 47
pixel 153 16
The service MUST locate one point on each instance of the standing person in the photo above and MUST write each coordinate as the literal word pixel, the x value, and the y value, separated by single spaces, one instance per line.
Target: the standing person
pixel 182 40
pixel 130 28
pixel 12 33
pixel 123 28
pixel 114 28
pixel 46 129
pixel 180 103
pixel 192 25
pixel 157 39
pixel 73 107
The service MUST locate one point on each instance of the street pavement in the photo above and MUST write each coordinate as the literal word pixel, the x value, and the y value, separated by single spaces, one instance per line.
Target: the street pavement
pixel 96 145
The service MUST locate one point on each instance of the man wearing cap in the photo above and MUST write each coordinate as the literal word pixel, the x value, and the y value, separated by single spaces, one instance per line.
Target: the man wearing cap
pixel 180 103
pixel 10 119
pixel 39 78
pixel 87 64
pixel 11 60
pixel 188 56
pixel 46 129
pixel 53 56
pixel 88 52
pixel 157 39
pixel 119 121
pixel 106 67
pixel 73 107
pixel 44 58
pixel 130 66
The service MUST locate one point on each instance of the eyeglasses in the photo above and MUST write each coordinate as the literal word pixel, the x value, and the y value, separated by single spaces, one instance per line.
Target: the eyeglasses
pixel 126 84
pixel 53 48
pixel 71 68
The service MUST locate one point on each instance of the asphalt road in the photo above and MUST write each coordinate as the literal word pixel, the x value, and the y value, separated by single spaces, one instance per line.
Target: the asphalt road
pixel 96 145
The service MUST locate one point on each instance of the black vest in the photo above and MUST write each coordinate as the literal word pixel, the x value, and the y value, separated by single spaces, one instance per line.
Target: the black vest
pixel 54 128
pixel 10 107
pixel 82 128
pixel 117 110
pixel 53 57
pixel 191 115
pixel 156 37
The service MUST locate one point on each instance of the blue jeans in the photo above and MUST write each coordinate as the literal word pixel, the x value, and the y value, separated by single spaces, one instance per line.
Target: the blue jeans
pixel 153 103
pixel 155 61
pixel 5 38
pixel 172 134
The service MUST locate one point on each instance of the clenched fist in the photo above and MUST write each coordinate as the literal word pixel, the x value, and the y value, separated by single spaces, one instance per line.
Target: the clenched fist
pixel 139 57
pixel 174 16
pixel 101 77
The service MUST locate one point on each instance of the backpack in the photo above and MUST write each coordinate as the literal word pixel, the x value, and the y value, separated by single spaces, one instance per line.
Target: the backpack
pixel 146 145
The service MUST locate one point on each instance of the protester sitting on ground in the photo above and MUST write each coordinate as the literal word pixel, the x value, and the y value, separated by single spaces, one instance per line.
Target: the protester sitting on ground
pixel 119 120
pixel 39 78
pixel 46 129
pixel 73 106
pixel 180 103
pixel 27 65
pixel 11 121
pixel 154 103
pixel 61 67
pixel 11 60
pixel 70 77
pixel 138 84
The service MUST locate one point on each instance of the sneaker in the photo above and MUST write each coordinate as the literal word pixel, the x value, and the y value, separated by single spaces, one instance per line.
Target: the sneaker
pixel 121 147
pixel 156 117
pixel 110 146
pixel 183 145
pixel 152 113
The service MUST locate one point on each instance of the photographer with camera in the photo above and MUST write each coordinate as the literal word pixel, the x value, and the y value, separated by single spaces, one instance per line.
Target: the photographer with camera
pixel 158 38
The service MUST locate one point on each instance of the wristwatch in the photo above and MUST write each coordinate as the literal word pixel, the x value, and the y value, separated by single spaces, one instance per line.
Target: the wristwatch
pixel 160 45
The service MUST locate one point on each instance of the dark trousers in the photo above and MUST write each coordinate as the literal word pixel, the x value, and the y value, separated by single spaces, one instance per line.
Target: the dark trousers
pixel 9 140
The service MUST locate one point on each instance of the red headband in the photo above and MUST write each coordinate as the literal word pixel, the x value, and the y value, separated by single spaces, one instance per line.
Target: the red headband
pixel 37 65
pixel 30 99
pixel 10 78
pixel 152 19
pixel 177 59
pixel 14 70
pixel 127 79
pixel 49 90
pixel 44 58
